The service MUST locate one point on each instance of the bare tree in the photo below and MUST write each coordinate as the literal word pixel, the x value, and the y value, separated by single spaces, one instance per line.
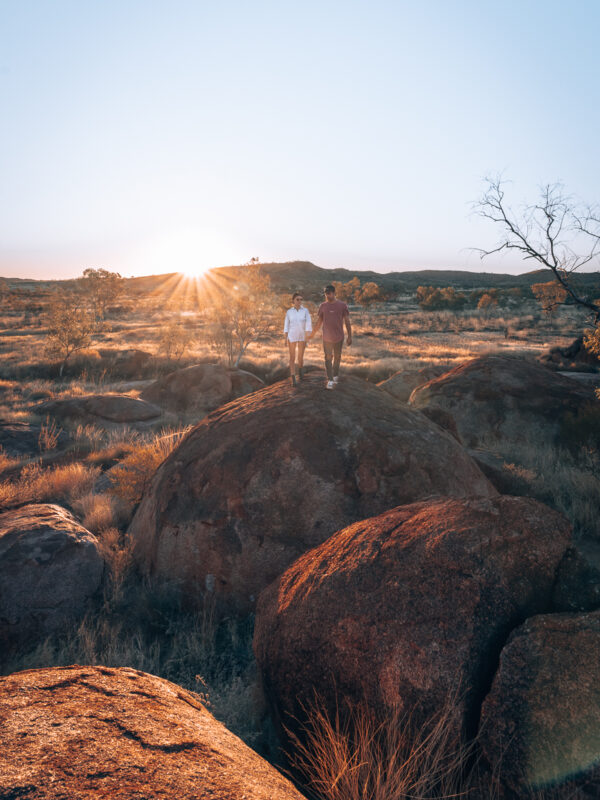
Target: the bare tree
pixel 557 232
pixel 70 327
pixel 242 313
pixel 102 288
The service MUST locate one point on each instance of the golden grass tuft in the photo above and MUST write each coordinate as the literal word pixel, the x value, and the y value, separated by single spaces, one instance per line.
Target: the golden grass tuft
pixel 355 756
pixel 62 484
pixel 130 479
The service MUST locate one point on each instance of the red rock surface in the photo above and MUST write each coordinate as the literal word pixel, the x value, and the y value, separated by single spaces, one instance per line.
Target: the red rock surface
pixel 265 478
pixel 500 396
pixel 200 388
pixel 50 569
pixel 117 734
pixel 409 607
pixel 541 719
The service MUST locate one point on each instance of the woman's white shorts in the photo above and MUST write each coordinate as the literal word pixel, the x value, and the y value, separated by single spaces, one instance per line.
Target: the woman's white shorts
pixel 296 337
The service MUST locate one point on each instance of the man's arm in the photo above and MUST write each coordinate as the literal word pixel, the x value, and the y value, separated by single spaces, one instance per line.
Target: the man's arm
pixel 348 328
pixel 317 327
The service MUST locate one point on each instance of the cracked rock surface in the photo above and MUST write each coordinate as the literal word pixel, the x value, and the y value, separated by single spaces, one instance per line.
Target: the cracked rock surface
pixel 266 477
pixel 98 732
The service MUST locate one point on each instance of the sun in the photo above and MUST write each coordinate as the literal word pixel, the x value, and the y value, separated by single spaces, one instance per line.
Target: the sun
pixel 187 251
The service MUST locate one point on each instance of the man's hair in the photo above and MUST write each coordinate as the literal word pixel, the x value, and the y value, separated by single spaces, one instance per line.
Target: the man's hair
pixel 295 295
pixel 330 288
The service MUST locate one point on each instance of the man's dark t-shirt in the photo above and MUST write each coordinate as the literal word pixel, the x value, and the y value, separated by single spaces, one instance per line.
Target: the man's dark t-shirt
pixel 333 315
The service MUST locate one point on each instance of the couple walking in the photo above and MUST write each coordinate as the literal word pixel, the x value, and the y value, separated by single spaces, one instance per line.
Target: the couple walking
pixel 332 315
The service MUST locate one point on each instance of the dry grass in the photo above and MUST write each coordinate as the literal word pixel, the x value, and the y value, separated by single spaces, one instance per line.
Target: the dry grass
pixel 566 480
pixel 101 512
pixel 62 484
pixel 130 479
pixel 355 756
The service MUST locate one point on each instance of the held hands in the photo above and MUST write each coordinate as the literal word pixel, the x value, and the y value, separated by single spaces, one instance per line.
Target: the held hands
pixel 349 340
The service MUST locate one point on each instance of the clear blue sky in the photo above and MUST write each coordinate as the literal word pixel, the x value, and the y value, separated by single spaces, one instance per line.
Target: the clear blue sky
pixel 155 136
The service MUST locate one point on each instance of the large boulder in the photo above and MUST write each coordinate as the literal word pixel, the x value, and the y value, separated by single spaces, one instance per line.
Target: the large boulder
pixel 102 409
pixel 540 723
pixel 270 475
pixel 408 610
pixel 200 388
pixel 96 732
pixel 401 384
pixel 503 397
pixel 50 569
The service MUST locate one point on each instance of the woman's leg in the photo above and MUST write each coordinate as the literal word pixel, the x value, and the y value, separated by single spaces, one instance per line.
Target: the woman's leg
pixel 301 347
pixel 292 347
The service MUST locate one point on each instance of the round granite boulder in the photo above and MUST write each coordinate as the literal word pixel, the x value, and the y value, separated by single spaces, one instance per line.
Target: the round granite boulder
pixel 268 476
pixel 50 570
pixel 494 397
pixel 540 723
pixel 101 409
pixel 96 732
pixel 200 388
pixel 408 610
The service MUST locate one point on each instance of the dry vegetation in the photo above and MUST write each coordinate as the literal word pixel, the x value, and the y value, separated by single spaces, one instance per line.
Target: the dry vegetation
pixel 102 475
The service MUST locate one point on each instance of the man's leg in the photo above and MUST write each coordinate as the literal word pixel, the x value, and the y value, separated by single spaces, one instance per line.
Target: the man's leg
pixel 328 351
pixel 337 357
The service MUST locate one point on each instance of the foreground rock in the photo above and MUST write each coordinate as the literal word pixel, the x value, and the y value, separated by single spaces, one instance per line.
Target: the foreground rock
pixel 101 409
pixel 498 396
pixel 268 476
pixel 50 570
pixel 200 388
pixel 95 732
pixel 541 719
pixel 409 608
pixel 402 383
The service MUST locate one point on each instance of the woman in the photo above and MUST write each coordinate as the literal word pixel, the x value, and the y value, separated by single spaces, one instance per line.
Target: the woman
pixel 297 325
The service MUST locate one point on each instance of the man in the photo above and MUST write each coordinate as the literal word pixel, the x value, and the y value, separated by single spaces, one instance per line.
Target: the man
pixel 333 315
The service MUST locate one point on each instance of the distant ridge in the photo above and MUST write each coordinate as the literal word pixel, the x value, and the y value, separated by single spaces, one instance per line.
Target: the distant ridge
pixel 308 277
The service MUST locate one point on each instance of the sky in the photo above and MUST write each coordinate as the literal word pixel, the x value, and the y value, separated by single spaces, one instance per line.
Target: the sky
pixel 151 137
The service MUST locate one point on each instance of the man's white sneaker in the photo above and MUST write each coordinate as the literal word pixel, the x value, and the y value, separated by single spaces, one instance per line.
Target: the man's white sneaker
pixel 336 379
pixel 330 385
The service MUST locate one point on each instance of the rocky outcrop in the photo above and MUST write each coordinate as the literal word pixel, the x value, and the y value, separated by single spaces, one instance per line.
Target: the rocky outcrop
pixel 401 384
pixel 95 732
pixel 50 569
pixel 101 409
pixel 503 397
pixel 265 478
pixel 409 609
pixel 200 388
pixel 541 720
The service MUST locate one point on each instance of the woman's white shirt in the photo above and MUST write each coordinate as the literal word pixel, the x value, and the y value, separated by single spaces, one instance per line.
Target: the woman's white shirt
pixel 297 324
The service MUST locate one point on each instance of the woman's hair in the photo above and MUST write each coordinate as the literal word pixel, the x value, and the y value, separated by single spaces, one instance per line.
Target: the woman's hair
pixel 295 295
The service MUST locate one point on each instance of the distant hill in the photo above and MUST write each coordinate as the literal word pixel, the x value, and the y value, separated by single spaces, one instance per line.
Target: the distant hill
pixel 309 278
